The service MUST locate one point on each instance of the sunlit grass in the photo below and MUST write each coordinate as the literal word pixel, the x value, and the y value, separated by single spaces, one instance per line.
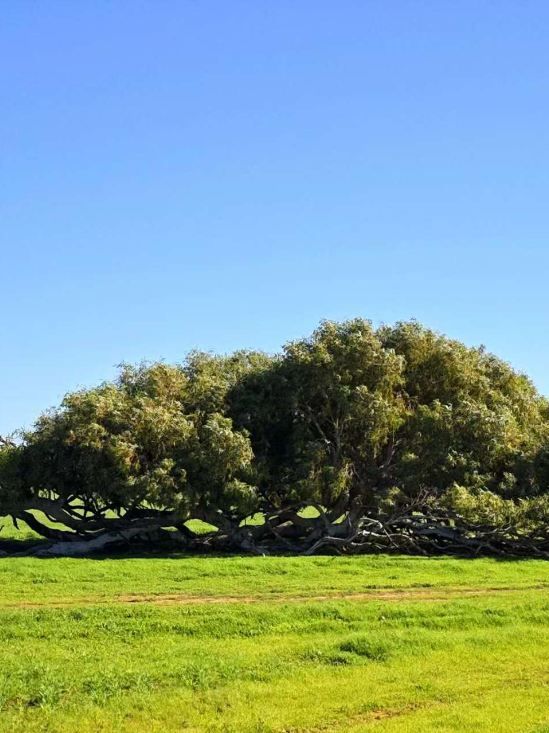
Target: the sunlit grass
pixel 111 645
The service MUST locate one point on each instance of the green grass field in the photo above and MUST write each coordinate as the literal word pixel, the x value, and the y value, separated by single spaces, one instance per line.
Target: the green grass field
pixel 257 645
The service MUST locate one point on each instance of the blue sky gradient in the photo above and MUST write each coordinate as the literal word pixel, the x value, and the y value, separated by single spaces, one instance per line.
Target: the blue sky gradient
pixel 217 175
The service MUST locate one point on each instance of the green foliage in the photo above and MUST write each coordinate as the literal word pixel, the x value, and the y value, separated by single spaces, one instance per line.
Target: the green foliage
pixel 353 413
pixel 485 507
pixel 12 489
pixel 471 420
pixel 133 443
pixel 346 398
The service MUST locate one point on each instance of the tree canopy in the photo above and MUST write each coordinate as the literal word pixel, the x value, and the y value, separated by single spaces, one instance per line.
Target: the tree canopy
pixel 354 438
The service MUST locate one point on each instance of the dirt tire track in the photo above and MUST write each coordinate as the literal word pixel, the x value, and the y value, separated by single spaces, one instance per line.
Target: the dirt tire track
pixel 182 599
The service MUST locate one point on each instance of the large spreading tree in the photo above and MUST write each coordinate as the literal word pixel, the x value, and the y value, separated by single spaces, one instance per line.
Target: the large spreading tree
pixel 355 438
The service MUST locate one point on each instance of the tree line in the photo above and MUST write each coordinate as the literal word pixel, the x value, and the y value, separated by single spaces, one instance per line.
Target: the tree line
pixel 355 439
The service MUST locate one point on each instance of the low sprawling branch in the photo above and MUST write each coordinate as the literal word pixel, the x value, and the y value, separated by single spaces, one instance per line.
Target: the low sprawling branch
pixel 416 530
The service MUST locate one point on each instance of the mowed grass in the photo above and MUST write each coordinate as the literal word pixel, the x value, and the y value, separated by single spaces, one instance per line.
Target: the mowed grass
pixel 285 644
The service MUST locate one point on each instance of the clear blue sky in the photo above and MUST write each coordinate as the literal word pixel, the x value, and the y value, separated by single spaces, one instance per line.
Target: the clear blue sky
pixel 219 174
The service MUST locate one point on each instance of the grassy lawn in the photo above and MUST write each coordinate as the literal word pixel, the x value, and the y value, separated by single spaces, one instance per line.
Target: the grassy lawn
pixel 274 644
